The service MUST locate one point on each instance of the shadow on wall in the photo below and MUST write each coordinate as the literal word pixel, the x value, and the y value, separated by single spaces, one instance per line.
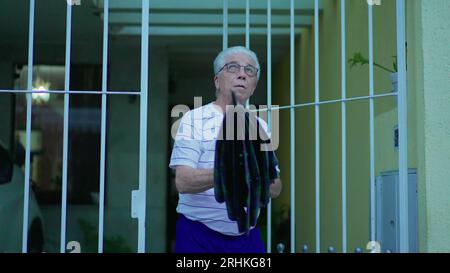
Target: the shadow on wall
pixel 281 228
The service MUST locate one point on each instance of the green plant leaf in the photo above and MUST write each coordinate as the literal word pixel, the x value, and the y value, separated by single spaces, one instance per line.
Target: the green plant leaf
pixel 358 58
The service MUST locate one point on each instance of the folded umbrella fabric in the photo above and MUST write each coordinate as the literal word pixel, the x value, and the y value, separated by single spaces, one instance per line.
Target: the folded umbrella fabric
pixel 244 167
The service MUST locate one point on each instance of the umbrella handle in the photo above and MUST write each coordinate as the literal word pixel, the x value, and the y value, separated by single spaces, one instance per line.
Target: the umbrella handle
pixel 233 97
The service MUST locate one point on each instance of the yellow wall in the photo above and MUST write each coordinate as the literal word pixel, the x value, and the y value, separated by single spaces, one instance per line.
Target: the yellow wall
pixel 431 65
pixel 358 136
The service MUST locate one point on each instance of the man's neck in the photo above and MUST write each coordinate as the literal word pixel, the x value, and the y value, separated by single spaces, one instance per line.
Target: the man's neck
pixel 222 102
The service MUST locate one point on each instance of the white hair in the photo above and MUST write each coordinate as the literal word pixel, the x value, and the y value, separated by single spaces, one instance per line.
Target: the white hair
pixel 219 62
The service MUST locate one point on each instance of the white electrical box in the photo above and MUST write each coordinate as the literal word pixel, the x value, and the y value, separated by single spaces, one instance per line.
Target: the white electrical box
pixel 387 211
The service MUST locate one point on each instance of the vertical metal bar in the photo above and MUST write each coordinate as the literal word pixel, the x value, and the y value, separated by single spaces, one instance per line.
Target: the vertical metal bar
pixel 66 128
pixel 292 112
pixel 143 125
pixel 225 25
pixel 247 35
pixel 343 129
pixel 247 23
pixel 372 128
pixel 26 195
pixel 101 209
pixel 317 120
pixel 402 126
pixel 269 113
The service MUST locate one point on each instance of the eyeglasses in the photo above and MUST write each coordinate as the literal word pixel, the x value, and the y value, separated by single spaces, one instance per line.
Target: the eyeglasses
pixel 250 70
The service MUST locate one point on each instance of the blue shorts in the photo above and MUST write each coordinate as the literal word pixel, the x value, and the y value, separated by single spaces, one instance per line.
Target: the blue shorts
pixel 195 237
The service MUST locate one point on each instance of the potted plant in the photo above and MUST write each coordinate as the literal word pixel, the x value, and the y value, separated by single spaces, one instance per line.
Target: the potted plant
pixel 359 59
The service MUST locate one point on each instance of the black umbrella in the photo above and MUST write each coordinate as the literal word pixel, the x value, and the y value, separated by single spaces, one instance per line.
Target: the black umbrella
pixel 244 166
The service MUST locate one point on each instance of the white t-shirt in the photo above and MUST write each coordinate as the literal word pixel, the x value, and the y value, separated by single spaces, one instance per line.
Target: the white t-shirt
pixel 194 146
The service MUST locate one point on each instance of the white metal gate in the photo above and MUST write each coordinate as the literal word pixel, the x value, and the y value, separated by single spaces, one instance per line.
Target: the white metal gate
pixel 139 196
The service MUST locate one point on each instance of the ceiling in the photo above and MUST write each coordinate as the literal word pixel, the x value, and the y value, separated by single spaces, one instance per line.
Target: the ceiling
pixel 200 17
pixel 191 30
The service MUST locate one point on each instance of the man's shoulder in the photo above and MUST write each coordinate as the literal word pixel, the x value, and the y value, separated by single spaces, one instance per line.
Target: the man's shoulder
pixel 203 112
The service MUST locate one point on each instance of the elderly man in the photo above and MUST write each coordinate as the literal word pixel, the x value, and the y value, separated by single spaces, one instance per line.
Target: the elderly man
pixel 203 225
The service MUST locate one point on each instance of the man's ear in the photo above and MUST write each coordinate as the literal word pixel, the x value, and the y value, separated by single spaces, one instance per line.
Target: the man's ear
pixel 216 82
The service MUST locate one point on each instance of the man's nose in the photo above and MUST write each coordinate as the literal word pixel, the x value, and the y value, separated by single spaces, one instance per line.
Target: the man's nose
pixel 241 74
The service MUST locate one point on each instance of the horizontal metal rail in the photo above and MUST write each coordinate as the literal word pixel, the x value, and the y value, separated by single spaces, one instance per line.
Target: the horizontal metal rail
pixel 323 102
pixel 136 93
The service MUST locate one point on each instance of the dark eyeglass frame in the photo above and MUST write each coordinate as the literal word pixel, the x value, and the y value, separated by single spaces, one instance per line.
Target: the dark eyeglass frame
pixel 227 65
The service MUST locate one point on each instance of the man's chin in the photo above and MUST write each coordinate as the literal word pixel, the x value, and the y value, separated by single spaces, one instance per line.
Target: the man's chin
pixel 240 97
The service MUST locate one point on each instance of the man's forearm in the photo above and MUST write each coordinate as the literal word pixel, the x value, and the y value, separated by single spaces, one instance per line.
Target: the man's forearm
pixel 190 180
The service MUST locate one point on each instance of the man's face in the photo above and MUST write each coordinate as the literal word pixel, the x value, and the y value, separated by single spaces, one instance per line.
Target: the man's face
pixel 239 82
